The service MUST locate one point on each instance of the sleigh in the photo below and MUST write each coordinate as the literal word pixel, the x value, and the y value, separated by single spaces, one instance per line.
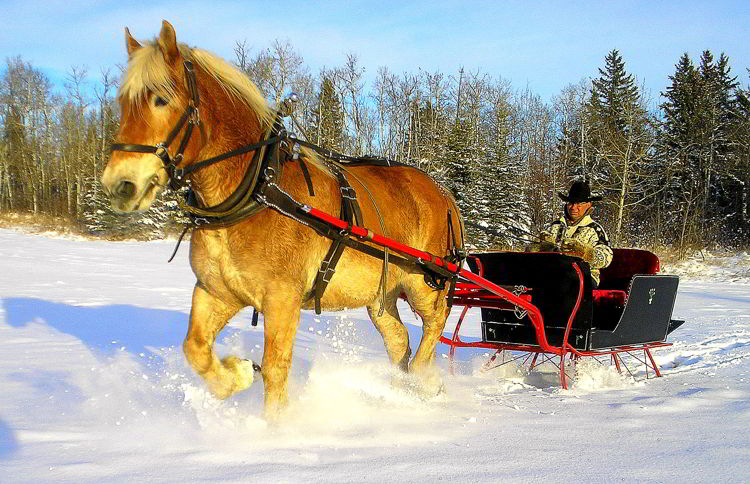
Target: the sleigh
pixel 555 313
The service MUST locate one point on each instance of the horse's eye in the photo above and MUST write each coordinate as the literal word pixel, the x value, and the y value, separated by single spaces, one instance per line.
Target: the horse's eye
pixel 160 101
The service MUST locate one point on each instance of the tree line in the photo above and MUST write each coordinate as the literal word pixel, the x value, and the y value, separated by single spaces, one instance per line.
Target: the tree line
pixel 674 171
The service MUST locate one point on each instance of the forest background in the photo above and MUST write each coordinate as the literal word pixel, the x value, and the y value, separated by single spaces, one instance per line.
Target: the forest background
pixel 674 169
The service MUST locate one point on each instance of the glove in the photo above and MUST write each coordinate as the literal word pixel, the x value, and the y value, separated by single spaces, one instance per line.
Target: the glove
pixel 576 248
pixel 546 238
pixel 545 243
pixel 542 246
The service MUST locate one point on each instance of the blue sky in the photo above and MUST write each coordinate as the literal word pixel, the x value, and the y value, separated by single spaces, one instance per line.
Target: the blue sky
pixel 544 45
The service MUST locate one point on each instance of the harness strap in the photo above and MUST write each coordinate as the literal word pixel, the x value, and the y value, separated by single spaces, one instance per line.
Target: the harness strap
pixel 239 151
pixel 283 203
pixel 251 202
pixel 350 213
pixel 241 197
pixel 306 174
pixel 328 269
pixel 455 249
pixel 303 167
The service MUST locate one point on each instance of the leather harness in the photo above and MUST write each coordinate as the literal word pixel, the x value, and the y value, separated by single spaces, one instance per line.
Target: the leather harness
pixel 258 190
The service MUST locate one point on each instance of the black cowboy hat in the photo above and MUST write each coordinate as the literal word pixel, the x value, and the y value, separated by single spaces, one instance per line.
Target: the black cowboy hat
pixel 580 191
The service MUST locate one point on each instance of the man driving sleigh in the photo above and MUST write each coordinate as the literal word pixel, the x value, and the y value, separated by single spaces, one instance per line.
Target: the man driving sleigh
pixel 576 233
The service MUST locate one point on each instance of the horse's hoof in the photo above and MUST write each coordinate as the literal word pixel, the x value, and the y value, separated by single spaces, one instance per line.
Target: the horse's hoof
pixel 429 381
pixel 243 373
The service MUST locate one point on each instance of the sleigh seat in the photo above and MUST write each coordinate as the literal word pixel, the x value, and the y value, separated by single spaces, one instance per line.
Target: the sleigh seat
pixel 610 297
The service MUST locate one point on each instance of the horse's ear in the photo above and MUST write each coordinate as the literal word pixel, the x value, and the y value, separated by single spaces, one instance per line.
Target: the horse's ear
pixel 168 42
pixel 130 43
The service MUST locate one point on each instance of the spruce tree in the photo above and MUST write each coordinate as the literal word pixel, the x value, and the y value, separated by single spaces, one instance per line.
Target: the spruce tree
pixel 613 92
pixel 698 141
pixel 329 117
pixel 741 167
pixel 620 141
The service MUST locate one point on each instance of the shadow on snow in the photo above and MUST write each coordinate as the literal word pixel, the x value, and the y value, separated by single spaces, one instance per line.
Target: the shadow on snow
pixel 103 329
pixel 8 442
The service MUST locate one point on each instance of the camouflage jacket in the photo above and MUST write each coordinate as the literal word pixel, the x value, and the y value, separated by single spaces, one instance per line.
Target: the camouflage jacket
pixel 590 234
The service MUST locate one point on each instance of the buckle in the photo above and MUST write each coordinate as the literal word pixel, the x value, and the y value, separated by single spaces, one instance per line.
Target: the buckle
pixel 326 270
pixel 349 193
pixel 328 274
pixel 195 115
pixel 295 151
pixel 161 151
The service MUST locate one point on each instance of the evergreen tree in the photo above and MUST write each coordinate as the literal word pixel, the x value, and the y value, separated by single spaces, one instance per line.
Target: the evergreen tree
pixel 458 160
pixel 716 115
pixel 700 110
pixel 677 150
pixel 620 140
pixel 329 117
pixel 614 92
pixel 741 165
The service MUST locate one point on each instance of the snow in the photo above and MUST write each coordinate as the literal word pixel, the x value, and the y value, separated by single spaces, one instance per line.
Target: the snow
pixel 94 388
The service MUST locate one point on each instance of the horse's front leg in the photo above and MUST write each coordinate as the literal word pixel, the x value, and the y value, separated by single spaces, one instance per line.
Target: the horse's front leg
pixel 280 320
pixel 207 317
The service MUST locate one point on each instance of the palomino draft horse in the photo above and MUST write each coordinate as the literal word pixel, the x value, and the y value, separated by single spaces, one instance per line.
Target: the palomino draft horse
pixel 267 259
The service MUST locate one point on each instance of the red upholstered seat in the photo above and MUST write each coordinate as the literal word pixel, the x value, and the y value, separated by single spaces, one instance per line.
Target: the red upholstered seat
pixel 610 298
pixel 604 297
pixel 625 264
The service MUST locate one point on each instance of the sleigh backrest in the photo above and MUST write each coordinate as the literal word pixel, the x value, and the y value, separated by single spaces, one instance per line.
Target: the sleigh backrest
pixel 625 264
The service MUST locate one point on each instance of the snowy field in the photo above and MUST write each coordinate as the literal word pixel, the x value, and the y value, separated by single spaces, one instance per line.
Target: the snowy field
pixel 94 388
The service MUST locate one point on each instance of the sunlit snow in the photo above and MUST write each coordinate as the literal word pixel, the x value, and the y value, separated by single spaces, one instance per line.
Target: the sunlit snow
pixel 94 388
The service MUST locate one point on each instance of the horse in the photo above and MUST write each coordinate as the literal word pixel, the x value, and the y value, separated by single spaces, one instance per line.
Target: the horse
pixel 270 261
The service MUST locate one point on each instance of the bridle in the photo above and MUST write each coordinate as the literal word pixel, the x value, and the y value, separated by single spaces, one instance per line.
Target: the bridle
pixel 177 175
pixel 191 117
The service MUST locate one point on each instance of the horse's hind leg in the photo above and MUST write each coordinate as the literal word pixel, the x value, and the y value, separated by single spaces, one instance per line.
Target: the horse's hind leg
pixel 432 307
pixel 207 317
pixel 395 335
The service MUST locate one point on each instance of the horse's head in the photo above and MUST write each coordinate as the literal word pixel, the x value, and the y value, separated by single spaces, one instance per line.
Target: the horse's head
pixel 153 98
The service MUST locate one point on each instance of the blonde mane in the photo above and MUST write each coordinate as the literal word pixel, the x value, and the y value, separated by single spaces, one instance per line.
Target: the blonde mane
pixel 147 71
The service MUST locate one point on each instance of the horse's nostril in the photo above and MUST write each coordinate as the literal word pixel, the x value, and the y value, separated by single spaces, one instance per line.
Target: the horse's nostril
pixel 125 189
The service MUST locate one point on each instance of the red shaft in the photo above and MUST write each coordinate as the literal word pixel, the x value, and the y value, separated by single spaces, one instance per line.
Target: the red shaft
pixel 533 311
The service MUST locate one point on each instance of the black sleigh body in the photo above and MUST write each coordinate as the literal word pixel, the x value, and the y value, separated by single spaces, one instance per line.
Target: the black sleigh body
pixel 630 312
